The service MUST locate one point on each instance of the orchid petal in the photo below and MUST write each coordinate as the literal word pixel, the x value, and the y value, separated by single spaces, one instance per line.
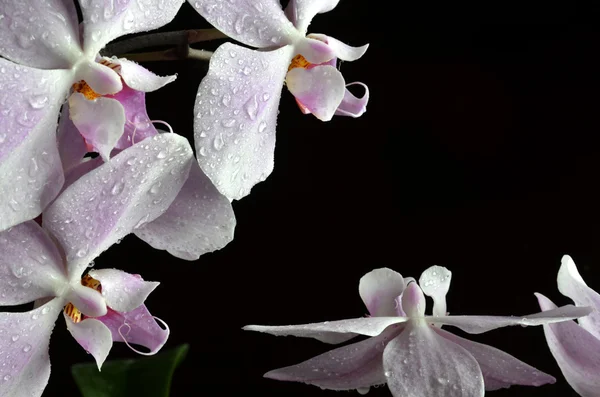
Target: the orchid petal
pixel 139 78
pixel 378 289
pixel 320 89
pixel 257 24
pixel 576 351
pixel 138 125
pixel 500 369
pixel 101 121
pixel 419 363
pixel 30 265
pixel 435 283
pixel 572 285
pixel 87 300
pixel 30 169
pixel 138 327
pixel 352 106
pixel 413 301
pixel 106 20
pixel 24 344
pixel 41 34
pixel 339 49
pixel 329 331
pixel 101 79
pixel 200 220
pixel 236 114
pixel 93 336
pixel 71 145
pixel 481 324
pixel 135 186
pixel 301 12
pixel 355 366
pixel 315 51
pixel 123 291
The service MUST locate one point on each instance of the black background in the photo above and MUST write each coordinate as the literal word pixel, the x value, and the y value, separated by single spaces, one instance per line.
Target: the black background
pixel 478 152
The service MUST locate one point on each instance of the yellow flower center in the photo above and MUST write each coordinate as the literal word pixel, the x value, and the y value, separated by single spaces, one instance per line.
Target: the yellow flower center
pixel 83 88
pixel 299 62
pixel 70 309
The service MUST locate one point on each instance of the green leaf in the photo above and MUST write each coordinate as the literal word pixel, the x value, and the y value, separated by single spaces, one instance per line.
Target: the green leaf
pixel 147 376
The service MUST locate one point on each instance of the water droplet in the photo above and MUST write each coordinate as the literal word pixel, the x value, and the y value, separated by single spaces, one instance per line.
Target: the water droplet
pixel 218 142
pixel 155 188
pixel 14 205
pixel 247 70
pixel 131 160
pixel 27 348
pixel 161 155
pixel 228 123
pixel 202 151
pixel 226 100
pixel 38 101
pixel 266 97
pixel 251 107
pixel 15 338
pixel 81 253
pixel 7 378
pixel 387 374
pixel 45 310
pixel 117 188
pixel 262 126
pixel 2 137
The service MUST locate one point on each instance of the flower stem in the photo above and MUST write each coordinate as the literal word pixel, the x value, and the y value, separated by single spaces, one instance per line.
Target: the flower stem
pixel 173 54
pixel 177 38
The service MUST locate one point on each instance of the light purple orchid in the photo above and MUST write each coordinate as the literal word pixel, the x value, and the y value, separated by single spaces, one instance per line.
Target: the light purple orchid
pixel 105 306
pixel 576 347
pixel 408 350
pixel 154 189
pixel 47 57
pixel 237 103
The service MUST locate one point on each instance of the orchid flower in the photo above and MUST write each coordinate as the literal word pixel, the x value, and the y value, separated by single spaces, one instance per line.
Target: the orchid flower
pixel 576 347
pixel 103 307
pixel 237 103
pixel 408 350
pixel 154 189
pixel 45 59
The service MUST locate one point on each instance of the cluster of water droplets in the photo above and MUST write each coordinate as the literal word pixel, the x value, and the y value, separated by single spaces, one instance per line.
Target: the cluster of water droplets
pixel 21 336
pixel 260 23
pixel 236 113
pixel 136 186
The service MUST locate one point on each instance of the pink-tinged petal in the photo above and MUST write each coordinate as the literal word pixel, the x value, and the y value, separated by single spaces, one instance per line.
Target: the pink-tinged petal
pixel 87 300
pixel 257 24
pixel 138 327
pixel 332 331
pixel 101 79
pixel 413 301
pixel 123 291
pixel 106 204
pixel 100 121
pixel 320 89
pixel 355 366
pixel 30 265
pixel 41 34
pixel 24 340
pixel 500 370
pixel 351 105
pixel 339 49
pixel 139 78
pixel 315 51
pixel 378 289
pixel 481 324
pixel 301 12
pixel 137 123
pixel 30 168
pixel 572 285
pixel 435 283
pixel 105 20
pixel 200 220
pixel 71 145
pixel 93 336
pixel 576 351
pixel 419 363
pixel 236 115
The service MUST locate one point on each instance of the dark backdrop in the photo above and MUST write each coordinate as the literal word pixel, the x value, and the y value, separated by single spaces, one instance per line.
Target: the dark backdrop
pixel 478 152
